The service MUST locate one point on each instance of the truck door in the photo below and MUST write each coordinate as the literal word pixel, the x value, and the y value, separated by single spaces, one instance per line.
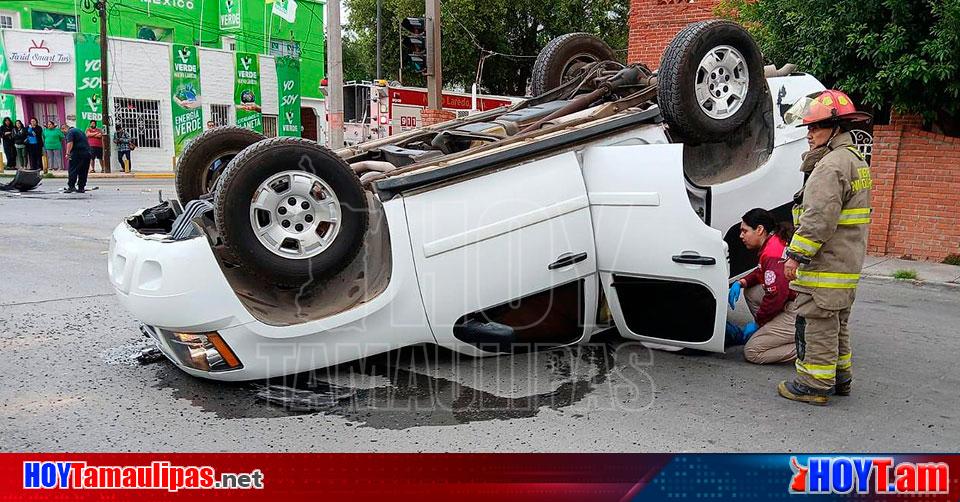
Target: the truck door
pixel 508 250
pixel 662 269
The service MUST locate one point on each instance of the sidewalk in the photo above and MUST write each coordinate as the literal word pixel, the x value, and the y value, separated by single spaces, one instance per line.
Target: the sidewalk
pixel 114 174
pixel 927 272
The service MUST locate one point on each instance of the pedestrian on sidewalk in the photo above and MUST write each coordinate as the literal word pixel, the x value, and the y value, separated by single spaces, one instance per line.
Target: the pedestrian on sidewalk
pixel 826 253
pixel 6 137
pixel 19 137
pixel 34 144
pixel 78 154
pixel 124 146
pixel 53 147
pixel 95 139
pixel 769 338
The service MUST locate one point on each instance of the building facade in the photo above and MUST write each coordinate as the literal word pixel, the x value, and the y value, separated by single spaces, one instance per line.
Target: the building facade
pixel 50 87
pixel 240 25
pixel 44 51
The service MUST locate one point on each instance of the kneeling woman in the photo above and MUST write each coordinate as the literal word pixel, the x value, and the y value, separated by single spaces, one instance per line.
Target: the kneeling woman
pixel 770 338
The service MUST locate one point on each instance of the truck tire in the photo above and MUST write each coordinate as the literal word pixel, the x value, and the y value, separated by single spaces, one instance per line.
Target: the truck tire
pixel 710 80
pixel 290 211
pixel 563 57
pixel 198 169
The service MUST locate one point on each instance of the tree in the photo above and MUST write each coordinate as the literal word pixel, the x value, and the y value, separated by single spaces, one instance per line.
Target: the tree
pixel 899 53
pixel 505 34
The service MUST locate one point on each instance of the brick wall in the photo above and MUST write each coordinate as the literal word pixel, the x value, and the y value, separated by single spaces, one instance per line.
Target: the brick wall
pixel 653 23
pixel 431 117
pixel 915 192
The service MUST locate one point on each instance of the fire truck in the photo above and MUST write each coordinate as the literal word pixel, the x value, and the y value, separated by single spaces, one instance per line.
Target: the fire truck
pixel 374 110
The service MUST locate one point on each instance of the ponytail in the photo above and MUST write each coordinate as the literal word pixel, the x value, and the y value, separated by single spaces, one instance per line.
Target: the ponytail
pixel 759 216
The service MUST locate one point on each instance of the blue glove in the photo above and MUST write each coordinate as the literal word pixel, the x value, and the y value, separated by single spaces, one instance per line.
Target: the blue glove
pixel 734 295
pixel 750 329
pixel 733 334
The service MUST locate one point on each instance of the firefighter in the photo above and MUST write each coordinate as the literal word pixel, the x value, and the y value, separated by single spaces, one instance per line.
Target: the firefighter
pixel 824 258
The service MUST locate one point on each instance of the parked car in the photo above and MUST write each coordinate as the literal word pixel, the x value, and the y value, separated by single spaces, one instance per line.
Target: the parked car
pixel 610 200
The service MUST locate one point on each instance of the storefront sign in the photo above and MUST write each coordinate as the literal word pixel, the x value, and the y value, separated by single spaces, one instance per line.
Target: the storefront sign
pixel 185 99
pixel 39 55
pixel 89 105
pixel 246 91
pixel 8 104
pixel 176 4
pixel 288 87
pixel 229 15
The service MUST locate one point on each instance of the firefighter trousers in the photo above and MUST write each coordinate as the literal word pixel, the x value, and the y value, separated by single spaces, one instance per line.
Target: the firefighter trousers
pixel 823 345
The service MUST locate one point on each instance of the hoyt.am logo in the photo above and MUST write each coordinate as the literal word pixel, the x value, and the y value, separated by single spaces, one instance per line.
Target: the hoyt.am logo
pixel 877 475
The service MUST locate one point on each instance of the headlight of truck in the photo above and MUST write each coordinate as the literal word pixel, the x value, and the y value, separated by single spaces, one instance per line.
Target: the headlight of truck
pixel 202 351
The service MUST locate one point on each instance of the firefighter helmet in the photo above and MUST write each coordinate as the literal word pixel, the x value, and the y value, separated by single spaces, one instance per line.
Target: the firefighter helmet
pixel 825 106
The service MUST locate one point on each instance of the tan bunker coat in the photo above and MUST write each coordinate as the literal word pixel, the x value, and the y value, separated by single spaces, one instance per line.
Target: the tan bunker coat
pixel 830 242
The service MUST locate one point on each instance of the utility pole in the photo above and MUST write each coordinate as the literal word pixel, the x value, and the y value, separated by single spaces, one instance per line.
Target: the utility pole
pixel 334 75
pixel 378 41
pixel 101 6
pixel 434 80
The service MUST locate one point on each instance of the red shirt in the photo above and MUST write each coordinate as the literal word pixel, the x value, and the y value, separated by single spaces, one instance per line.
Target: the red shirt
pixel 776 287
pixel 95 140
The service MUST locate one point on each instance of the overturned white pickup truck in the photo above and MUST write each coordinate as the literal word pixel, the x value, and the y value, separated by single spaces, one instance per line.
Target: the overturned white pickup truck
pixel 611 200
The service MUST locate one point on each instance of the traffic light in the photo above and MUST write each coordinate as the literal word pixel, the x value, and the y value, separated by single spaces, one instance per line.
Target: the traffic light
pixel 414 44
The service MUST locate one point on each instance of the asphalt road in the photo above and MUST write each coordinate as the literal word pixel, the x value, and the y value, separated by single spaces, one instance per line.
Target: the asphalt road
pixel 69 384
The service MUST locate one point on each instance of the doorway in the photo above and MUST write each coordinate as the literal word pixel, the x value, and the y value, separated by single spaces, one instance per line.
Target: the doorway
pixel 44 108
pixel 308 119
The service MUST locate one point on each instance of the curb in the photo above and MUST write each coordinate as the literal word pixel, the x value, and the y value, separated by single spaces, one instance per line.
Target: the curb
pixel 148 176
pixel 942 286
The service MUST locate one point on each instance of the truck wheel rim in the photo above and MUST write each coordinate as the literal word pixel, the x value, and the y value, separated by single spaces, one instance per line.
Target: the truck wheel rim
pixel 575 64
pixel 295 214
pixel 722 82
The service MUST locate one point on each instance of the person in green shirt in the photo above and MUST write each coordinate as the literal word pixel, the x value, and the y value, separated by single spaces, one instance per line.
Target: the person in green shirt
pixel 53 147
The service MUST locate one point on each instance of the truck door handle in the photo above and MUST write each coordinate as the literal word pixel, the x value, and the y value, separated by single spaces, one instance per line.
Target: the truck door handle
pixel 694 259
pixel 566 260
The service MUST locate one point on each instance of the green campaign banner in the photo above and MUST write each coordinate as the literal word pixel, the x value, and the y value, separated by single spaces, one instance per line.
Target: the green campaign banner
pixel 246 91
pixel 230 15
pixel 8 104
pixel 154 33
pixel 89 103
pixel 288 87
pixel 185 99
pixel 53 21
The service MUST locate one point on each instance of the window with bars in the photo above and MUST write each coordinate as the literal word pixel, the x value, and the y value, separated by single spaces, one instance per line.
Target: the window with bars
pixel 270 126
pixel 6 21
pixel 228 43
pixel 140 118
pixel 220 114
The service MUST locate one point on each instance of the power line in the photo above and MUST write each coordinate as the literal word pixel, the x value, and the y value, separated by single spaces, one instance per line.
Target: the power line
pixel 489 52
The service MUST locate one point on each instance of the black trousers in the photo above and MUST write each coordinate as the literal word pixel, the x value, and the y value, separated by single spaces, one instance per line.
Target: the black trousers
pixel 10 152
pixel 77 172
pixel 35 156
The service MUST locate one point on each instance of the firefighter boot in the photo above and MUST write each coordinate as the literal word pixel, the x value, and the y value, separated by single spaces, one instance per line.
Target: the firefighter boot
pixel 843 388
pixel 799 392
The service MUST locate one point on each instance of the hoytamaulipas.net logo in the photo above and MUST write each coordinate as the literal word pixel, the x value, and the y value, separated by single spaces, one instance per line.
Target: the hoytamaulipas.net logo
pixel 159 475
pixel 877 475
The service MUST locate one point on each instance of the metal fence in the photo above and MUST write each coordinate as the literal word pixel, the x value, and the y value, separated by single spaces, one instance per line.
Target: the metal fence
pixel 220 114
pixel 140 118
pixel 270 126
